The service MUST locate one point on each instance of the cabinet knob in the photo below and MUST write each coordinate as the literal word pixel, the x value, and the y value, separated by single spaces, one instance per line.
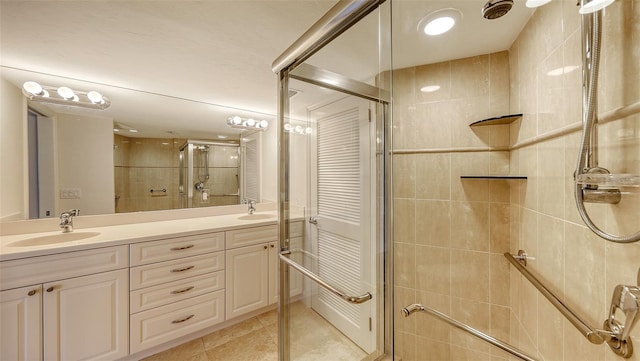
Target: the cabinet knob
pixel 32 292
pixel 50 289
pixel 265 247
pixel 272 246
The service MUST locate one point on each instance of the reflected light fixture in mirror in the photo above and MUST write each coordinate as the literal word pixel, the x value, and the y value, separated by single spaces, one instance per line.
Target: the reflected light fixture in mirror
pixel 64 96
pixel 247 123
pixel 440 21
pixel 297 129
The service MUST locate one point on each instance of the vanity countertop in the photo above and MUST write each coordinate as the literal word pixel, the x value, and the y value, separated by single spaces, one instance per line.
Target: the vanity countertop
pixel 107 236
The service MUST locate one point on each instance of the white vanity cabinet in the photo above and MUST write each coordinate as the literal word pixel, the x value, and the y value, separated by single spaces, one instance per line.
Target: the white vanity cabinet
pixel 252 268
pixel 177 288
pixel 75 309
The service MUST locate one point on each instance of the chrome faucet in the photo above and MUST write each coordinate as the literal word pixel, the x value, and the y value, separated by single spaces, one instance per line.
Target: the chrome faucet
pixel 251 207
pixel 66 220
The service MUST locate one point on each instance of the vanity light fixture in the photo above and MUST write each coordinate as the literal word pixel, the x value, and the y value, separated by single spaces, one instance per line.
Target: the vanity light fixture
pixel 297 129
pixel 439 21
pixel 65 96
pixel 247 123
pixel 594 5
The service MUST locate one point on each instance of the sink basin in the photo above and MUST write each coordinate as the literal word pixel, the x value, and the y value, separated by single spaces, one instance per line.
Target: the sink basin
pixel 255 217
pixel 53 239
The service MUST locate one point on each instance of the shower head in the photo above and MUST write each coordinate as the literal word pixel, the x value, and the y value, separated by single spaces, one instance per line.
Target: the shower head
pixel 494 9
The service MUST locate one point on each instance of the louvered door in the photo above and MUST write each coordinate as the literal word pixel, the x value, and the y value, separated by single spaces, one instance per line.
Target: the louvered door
pixel 341 200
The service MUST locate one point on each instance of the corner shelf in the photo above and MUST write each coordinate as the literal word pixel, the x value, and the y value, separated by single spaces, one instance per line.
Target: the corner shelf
pixel 498 177
pixel 505 119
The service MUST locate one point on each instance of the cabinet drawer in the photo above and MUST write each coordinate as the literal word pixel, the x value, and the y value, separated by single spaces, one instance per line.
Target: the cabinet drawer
pixel 156 296
pixel 166 323
pixel 34 270
pixel 296 229
pixel 250 236
pixel 168 271
pixel 167 249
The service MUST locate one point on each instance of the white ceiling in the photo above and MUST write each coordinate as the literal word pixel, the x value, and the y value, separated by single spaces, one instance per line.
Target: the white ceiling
pixel 185 66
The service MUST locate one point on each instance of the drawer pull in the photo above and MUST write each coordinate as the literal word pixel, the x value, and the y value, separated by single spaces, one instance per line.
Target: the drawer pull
pixel 32 292
pixel 183 319
pixel 50 289
pixel 182 269
pixel 181 248
pixel 182 290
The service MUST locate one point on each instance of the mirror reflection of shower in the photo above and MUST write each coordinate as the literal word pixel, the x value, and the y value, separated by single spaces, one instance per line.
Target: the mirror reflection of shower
pixel 209 174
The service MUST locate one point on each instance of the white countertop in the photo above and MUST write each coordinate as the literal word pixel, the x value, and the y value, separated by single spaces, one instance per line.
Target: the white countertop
pixel 129 233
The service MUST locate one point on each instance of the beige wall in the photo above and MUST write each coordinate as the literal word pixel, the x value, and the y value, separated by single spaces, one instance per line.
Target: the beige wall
pixel 579 265
pixel 13 156
pixel 85 162
pixel 449 234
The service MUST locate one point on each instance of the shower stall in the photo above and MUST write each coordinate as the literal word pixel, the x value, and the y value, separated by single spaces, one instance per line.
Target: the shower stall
pixel 436 175
pixel 209 174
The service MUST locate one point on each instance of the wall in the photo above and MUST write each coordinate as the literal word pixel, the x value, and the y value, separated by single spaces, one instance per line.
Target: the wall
pixel 450 234
pixel 13 157
pixel 85 162
pixel 581 267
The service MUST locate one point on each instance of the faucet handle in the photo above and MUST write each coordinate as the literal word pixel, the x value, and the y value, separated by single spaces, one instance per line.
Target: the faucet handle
pixel 74 212
pixel 627 300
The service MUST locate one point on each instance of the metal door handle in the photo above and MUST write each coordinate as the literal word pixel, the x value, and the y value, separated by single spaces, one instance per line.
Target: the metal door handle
pixel 313 220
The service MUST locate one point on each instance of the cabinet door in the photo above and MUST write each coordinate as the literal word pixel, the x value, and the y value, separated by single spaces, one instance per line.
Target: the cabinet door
pixel 247 279
pixel 87 318
pixel 21 326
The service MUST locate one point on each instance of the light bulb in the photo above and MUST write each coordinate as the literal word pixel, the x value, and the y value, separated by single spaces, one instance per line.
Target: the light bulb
pixel 66 93
pixel 32 87
pixel 264 124
pixel 439 25
pixel 308 130
pixel 594 5
pixel 95 97
pixel 298 129
pixel 251 122
pixel 287 127
pixel 236 120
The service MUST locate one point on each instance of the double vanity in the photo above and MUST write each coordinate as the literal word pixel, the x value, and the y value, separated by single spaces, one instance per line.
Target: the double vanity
pixel 130 290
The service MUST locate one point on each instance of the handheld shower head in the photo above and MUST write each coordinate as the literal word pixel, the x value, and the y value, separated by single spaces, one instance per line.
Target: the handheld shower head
pixel 494 9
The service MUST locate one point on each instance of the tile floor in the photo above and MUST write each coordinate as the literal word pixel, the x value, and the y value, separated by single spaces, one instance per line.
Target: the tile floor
pixel 256 339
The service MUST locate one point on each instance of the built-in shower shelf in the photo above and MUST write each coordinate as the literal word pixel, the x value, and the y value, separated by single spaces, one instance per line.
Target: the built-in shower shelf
pixel 497 177
pixel 610 180
pixel 505 119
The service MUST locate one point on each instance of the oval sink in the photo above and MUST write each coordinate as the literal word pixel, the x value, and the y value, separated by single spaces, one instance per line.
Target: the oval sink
pixel 53 239
pixel 253 217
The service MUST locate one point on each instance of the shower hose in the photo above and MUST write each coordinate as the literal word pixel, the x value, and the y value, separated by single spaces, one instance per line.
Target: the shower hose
pixel 588 124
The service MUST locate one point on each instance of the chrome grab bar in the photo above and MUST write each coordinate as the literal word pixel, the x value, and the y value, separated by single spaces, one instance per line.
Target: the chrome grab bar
pixel 594 336
pixel 464 327
pixel 351 299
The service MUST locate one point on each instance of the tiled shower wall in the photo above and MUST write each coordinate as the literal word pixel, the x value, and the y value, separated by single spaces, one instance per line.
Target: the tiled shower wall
pixel 450 233
pixel 581 267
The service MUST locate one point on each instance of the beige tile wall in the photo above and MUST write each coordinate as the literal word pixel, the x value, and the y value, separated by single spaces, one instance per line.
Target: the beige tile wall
pixel 450 234
pixel 576 263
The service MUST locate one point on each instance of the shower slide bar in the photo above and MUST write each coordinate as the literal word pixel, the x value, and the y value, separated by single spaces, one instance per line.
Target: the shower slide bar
pixel 464 327
pixel 351 299
pixel 616 334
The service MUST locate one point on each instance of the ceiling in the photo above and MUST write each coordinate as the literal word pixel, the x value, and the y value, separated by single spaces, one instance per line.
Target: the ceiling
pixel 180 68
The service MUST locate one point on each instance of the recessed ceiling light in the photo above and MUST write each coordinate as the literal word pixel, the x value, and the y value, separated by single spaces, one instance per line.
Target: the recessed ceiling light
pixel 430 88
pixel 440 21
pixel 594 5
pixel 222 137
pixel 133 131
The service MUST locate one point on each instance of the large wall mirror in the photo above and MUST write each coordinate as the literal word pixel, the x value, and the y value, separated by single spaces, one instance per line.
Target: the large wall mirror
pixel 174 73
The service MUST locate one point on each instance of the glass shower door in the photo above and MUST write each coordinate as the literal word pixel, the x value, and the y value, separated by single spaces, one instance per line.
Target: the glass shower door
pixel 332 268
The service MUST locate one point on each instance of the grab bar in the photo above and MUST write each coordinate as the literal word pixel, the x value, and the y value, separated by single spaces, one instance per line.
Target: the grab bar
pixel 351 299
pixel 464 327
pixel 594 336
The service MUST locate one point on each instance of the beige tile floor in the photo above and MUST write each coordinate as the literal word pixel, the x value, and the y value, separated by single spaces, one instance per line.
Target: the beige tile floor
pixel 256 339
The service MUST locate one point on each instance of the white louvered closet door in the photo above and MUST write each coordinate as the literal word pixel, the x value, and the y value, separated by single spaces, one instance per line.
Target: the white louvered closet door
pixel 341 199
